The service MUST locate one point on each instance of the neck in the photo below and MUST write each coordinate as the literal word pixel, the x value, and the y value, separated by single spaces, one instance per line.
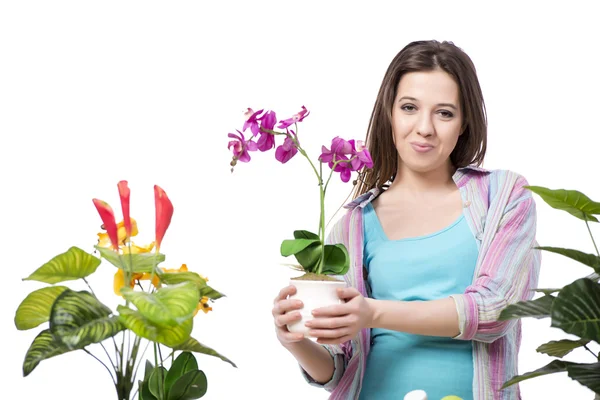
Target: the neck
pixel 437 180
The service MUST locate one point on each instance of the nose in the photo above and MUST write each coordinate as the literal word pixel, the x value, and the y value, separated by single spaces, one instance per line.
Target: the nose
pixel 425 125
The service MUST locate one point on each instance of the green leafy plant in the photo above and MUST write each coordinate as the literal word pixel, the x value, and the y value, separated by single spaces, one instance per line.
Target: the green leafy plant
pixel 575 308
pixel 161 314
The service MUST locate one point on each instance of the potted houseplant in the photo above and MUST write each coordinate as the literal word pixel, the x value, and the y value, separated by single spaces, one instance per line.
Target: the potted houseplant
pixel 575 308
pixel 160 314
pixel 321 263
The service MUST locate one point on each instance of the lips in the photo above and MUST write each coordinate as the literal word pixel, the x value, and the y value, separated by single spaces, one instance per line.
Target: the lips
pixel 421 147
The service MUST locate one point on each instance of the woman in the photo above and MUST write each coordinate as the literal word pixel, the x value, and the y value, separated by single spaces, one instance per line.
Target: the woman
pixel 438 248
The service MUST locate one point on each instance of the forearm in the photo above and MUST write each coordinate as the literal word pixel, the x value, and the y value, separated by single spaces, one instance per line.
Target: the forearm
pixel 431 318
pixel 313 358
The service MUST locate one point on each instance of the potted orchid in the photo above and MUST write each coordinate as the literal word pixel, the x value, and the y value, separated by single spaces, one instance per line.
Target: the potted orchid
pixel 161 314
pixel 319 261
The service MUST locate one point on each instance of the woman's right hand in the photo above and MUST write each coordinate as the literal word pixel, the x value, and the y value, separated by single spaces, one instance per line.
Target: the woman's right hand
pixel 285 311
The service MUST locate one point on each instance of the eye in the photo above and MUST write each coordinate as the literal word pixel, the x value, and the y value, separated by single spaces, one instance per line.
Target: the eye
pixel 446 114
pixel 408 107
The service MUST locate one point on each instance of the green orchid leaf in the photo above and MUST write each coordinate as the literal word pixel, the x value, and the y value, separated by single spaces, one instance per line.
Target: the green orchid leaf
pixel 35 309
pixel 571 201
pixel 70 265
pixel 142 262
pixel 43 347
pixel 538 308
pixel 183 364
pixel 192 344
pixel 575 309
pixel 336 261
pixel 310 257
pixel 294 246
pixel 167 335
pixel 156 383
pixel 553 367
pixel 144 390
pixel 191 385
pixel 306 235
pixel 591 260
pixel 148 370
pixel 78 319
pixel 210 293
pixel 168 306
pixel 561 348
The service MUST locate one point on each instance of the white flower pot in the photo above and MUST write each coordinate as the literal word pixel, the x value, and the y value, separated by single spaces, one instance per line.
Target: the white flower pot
pixel 313 294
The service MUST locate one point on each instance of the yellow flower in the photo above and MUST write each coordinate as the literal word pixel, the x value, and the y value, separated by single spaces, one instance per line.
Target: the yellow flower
pixel 203 305
pixel 137 249
pixel 104 240
pixel 119 281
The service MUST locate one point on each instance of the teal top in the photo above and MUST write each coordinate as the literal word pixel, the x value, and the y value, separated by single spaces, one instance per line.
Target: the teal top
pixel 421 268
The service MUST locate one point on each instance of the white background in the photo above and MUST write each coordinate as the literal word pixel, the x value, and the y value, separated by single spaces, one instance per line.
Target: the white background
pixel 95 92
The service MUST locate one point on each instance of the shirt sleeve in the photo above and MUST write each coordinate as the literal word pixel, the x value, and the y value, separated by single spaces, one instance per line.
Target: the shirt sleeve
pixel 338 369
pixel 508 271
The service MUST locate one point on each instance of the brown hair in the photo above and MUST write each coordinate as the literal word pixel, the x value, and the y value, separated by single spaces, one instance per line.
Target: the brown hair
pixel 425 56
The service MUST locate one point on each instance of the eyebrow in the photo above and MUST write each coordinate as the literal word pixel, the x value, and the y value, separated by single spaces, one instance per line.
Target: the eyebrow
pixel 439 104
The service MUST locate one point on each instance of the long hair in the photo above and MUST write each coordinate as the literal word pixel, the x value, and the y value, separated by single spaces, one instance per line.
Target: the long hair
pixel 422 56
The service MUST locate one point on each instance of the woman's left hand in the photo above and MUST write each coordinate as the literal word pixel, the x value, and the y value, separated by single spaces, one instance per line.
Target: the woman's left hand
pixel 341 322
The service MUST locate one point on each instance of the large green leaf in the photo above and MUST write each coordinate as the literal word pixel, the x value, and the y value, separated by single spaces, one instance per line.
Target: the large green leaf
pixel 79 319
pixel 586 374
pixel 170 305
pixel 553 367
pixel 35 309
pixel 183 364
pixel 173 278
pixel 310 257
pixel 538 308
pixel 168 335
pixel 156 383
pixel 336 261
pixel 44 346
pixel 192 385
pixel 144 390
pixel 70 265
pixel 576 309
pixel 294 246
pixel 210 293
pixel 192 344
pixel 571 201
pixel 591 260
pixel 143 262
pixel 561 348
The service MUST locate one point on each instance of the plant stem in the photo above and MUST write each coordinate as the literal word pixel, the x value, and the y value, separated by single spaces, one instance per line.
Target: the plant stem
pixel 160 393
pixel 109 359
pixel 141 359
pixel 588 349
pixel 100 361
pixel 170 355
pixel 592 236
pixel 88 285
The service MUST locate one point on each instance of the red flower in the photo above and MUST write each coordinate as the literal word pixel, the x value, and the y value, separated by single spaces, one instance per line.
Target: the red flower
pixel 164 212
pixel 108 220
pixel 124 195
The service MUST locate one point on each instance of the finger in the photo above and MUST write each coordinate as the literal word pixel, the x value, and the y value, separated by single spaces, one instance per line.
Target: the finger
pixel 336 310
pixel 283 306
pixel 347 293
pixel 286 319
pixel 329 333
pixel 341 340
pixel 330 323
pixel 291 337
pixel 285 292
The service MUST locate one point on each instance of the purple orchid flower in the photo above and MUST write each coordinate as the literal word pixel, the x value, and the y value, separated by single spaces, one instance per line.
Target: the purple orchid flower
pixel 362 157
pixel 287 150
pixel 340 148
pixel 296 118
pixel 241 147
pixel 251 121
pixel 267 140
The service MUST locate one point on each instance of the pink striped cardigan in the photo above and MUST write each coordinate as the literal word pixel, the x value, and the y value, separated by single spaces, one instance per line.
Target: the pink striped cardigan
pixel 501 214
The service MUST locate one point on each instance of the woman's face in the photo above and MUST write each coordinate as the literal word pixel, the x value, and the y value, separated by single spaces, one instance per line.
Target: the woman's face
pixel 426 120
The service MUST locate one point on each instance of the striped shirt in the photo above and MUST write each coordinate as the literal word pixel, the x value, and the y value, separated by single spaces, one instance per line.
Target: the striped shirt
pixel 501 215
